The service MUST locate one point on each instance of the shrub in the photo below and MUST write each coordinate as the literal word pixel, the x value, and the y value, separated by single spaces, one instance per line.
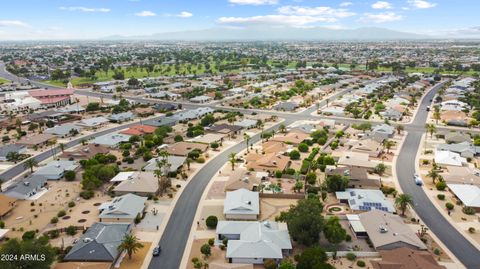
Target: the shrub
pixel 441 197
pixel 28 235
pixel 441 185
pixel 206 250
pixel 87 194
pixel 70 175
pixel 449 206
pixel 222 247
pixel 294 155
pixel 348 238
pixel 2 224
pixel 351 256
pixel 54 220
pixel 278 174
pixel 436 251
pixel 468 210
pixel 71 230
pixel 471 230
pixel 200 160
pixel 61 213
pixel 360 263
pixel 211 241
pixel 212 222
pixel 53 234
pixel 269 264
pixel 71 204
pixel 303 147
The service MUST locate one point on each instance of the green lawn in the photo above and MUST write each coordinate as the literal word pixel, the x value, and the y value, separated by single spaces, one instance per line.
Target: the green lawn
pixel 3 81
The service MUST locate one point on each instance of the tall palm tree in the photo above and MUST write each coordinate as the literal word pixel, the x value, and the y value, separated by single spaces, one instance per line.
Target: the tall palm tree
pixel 246 137
pixel 403 201
pixel 399 128
pixel 388 144
pixel 434 175
pixel 431 129
pixel 232 159
pixel 436 114
pixel 130 244
pixel 30 163
pixel 62 147
pixel 282 128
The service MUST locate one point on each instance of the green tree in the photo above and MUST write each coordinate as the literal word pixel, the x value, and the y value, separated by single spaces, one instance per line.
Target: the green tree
pixel 336 183
pixel 431 129
pixel 380 169
pixel 313 258
pixel 403 201
pixel 18 248
pixel 305 220
pixel 294 154
pixel 246 137
pixel 334 232
pixel 232 158
pixel 130 244
pixel 30 164
pixel 206 250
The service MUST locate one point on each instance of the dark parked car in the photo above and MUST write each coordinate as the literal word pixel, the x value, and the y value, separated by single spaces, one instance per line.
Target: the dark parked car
pixel 156 251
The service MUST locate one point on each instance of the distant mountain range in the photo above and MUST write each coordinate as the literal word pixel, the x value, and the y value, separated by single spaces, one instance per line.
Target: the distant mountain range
pixel 251 34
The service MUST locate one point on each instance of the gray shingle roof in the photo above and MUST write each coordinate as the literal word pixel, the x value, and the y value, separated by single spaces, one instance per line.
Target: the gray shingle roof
pixel 126 206
pixel 99 243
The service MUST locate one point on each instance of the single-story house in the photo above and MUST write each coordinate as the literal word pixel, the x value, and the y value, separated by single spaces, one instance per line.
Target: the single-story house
pixel 27 187
pixel 111 140
pixel 358 176
pixel 121 117
pixel 365 200
pixel 392 114
pixel 124 208
pixel 201 99
pixel 7 204
pixel 252 242
pixel 388 231
pixel 445 157
pixel 384 131
pixel 37 140
pixel 286 106
pixel 5 150
pixel 457 137
pixel 164 121
pixel 64 130
pixel 468 194
pixel 241 204
pixel 269 162
pixel 208 138
pixel 55 170
pixel 356 159
pixel 140 183
pixel 92 123
pixel 139 130
pixel 224 129
pixel 462 175
pixel 246 123
pixel 406 258
pixel 368 146
pixel 183 148
pixel 84 152
pixel 174 163
pixel 99 243
pixel 241 178
pixel 293 137
pixel 465 149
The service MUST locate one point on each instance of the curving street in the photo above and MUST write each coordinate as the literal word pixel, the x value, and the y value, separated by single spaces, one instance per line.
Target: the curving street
pixel 406 164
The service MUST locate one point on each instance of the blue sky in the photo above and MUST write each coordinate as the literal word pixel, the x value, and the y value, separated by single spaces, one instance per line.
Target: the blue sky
pixel 85 19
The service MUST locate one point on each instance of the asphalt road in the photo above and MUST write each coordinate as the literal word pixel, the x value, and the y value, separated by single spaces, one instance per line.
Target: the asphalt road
pixel 468 254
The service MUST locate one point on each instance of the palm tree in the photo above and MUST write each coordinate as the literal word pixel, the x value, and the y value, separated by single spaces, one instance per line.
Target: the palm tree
pixel 246 137
pixel 282 128
pixel 436 114
pixel 232 159
pixel 13 156
pixel 388 144
pixel 62 147
pixel 431 129
pixel 399 128
pixel 403 201
pixel 434 175
pixel 130 244
pixel 30 163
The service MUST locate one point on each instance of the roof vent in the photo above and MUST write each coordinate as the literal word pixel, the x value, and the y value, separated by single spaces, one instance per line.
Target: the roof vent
pixel 267 224
pixel 382 229
pixel 87 240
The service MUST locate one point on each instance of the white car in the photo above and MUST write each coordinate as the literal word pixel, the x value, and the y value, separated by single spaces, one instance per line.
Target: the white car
pixel 418 180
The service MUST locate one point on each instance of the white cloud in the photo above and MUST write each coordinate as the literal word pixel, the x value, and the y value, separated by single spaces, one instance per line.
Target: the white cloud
pixel 381 5
pixel 276 20
pixel 184 14
pixel 145 13
pixel 13 23
pixel 86 9
pixel 381 17
pixel 421 4
pixel 254 2
pixel 346 4
pixel 326 12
